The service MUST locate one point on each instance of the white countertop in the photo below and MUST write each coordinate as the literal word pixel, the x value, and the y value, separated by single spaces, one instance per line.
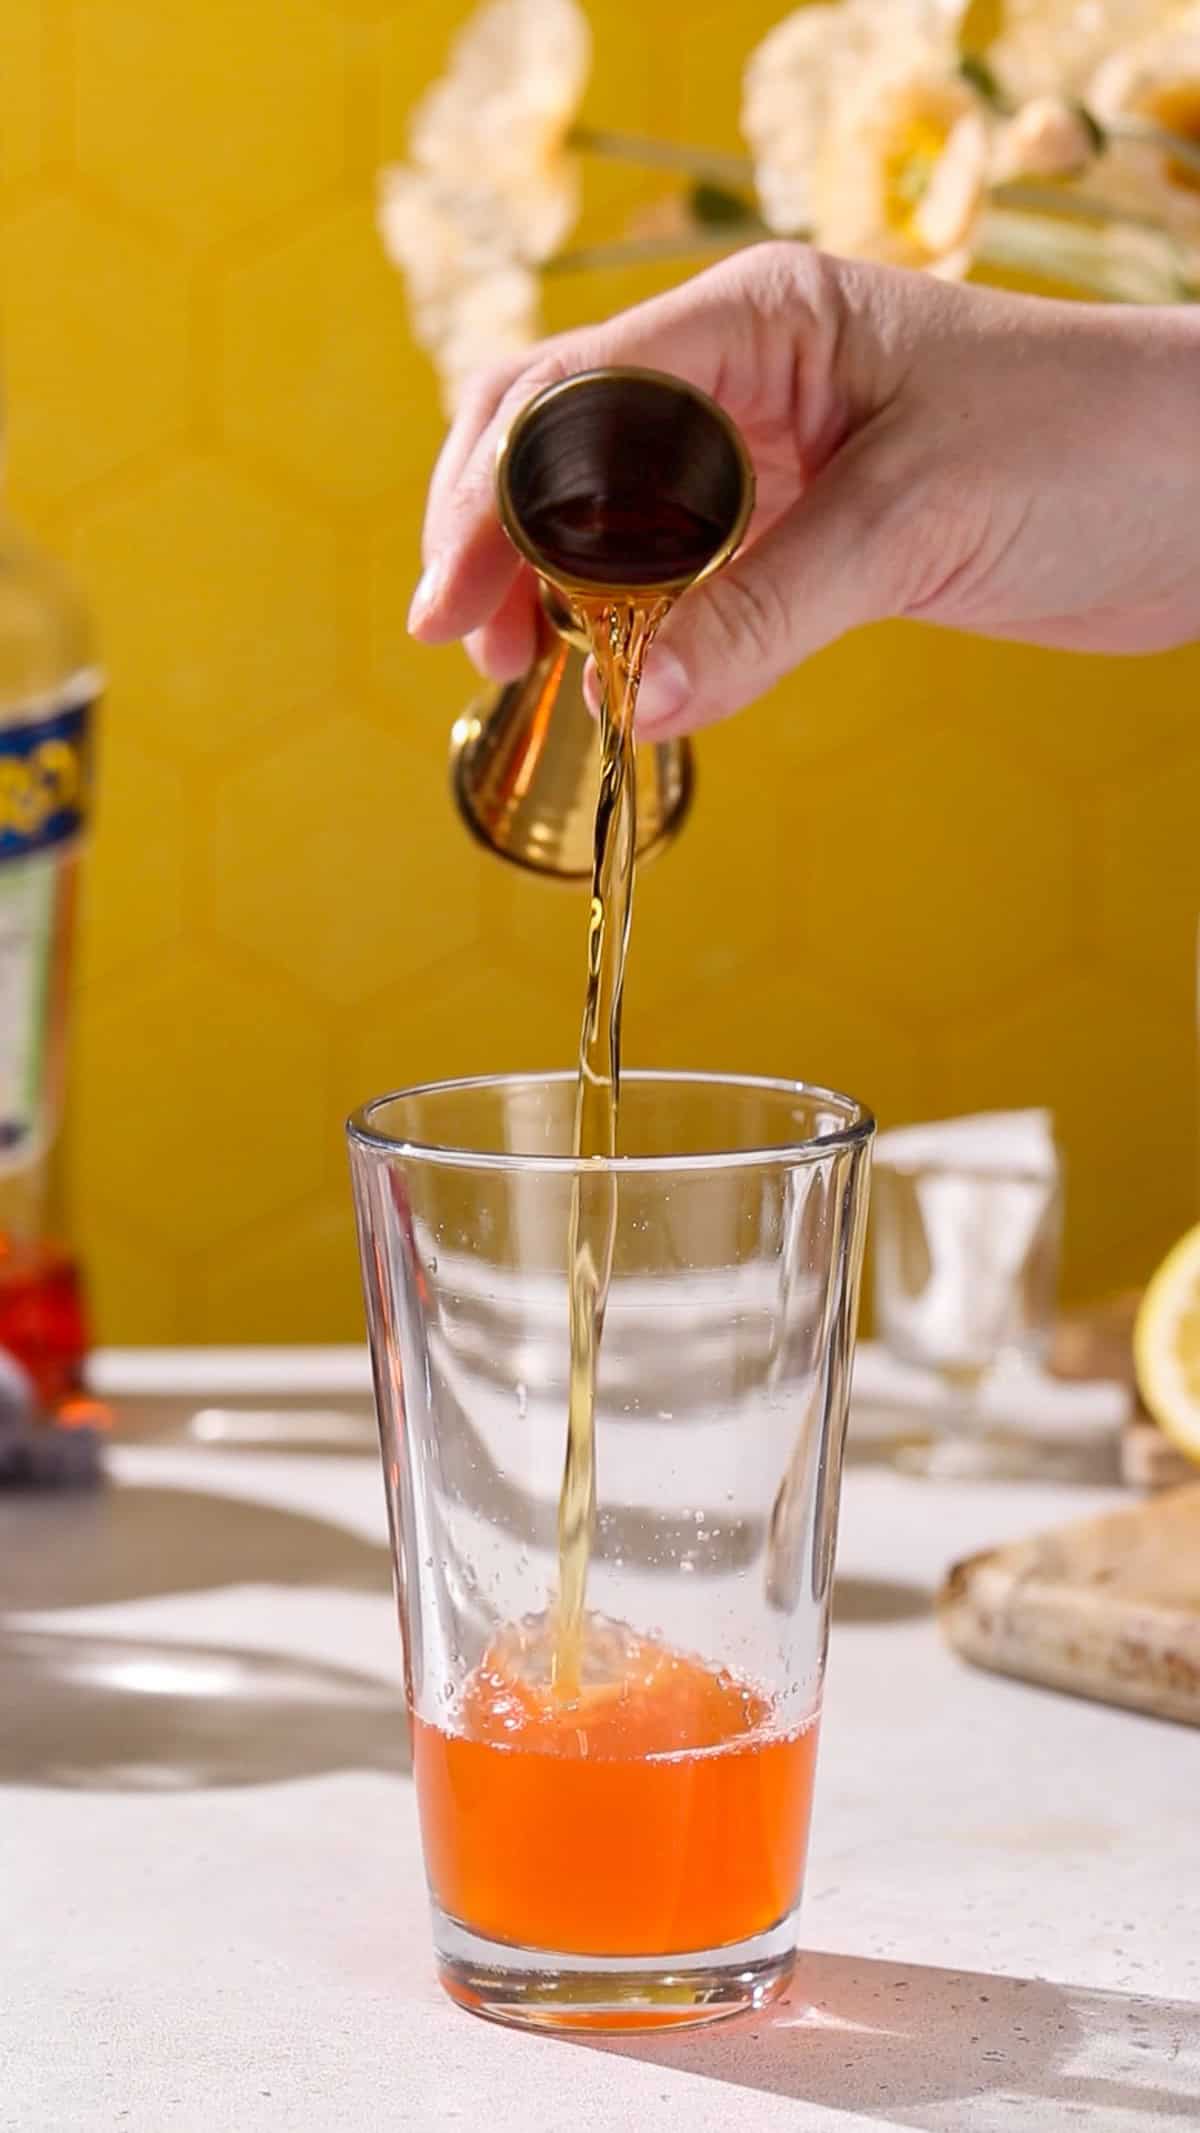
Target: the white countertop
pixel 210 1883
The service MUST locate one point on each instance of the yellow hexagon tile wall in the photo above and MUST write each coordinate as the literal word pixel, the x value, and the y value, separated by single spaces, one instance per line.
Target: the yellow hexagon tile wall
pixel 1147 883
pixel 1120 1075
pixel 220 603
pixel 802 1021
pixel 406 681
pixel 95 320
pixel 122 1266
pixel 317 368
pixel 136 881
pixel 942 873
pixel 464 1016
pixel 1090 715
pixel 204 1098
pixel 200 146
pixel 945 864
pixel 299 1258
pixel 22 93
pixel 381 888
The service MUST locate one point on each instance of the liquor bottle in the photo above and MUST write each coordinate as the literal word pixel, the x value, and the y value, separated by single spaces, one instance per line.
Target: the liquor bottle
pixel 49 1429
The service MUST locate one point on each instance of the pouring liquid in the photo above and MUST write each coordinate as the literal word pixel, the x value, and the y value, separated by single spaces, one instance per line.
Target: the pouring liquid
pixel 615 542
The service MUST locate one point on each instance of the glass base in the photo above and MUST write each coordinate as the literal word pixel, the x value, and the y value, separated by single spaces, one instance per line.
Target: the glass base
pixel 529 1988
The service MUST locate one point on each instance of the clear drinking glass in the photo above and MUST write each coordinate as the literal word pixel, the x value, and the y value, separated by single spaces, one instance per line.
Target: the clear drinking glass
pixel 965 1283
pixel 629 1854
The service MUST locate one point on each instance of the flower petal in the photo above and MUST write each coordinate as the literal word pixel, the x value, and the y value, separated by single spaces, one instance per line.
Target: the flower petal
pixel 499 117
pixel 810 68
pixel 947 211
pixel 884 166
pixel 1048 138
pixel 1049 46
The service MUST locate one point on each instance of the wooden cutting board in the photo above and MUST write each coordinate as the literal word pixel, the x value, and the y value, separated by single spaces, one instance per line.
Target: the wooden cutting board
pixel 1098 1343
pixel 1107 1608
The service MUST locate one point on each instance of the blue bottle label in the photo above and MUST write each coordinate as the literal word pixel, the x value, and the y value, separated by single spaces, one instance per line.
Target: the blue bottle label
pixel 45 789
pixel 45 776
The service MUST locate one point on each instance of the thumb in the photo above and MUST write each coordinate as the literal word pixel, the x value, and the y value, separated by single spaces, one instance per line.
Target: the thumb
pixel 840 557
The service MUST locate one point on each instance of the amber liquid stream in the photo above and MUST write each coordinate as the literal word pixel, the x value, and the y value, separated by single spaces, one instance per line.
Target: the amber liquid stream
pixel 600 1793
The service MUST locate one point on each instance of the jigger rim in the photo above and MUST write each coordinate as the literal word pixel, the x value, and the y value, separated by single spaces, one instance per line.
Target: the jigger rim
pixel 608 373
pixel 857 1131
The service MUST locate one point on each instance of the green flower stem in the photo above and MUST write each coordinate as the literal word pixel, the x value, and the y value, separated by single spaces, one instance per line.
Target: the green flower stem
pixel 1065 203
pixel 1175 146
pixel 1121 261
pixel 662 155
pixel 643 251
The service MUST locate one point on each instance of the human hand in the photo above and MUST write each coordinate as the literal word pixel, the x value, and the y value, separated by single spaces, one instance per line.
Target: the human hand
pixel 994 463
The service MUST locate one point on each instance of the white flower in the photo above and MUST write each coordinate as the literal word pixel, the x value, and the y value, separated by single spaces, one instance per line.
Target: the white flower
pixel 1156 82
pixel 1048 138
pixel 863 133
pixel 903 171
pixel 792 82
pixel 468 297
pixel 1048 47
pixel 498 314
pixel 492 190
pixel 501 114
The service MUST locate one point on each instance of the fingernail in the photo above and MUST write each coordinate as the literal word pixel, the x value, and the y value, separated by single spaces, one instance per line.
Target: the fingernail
pixel 427 593
pixel 664 691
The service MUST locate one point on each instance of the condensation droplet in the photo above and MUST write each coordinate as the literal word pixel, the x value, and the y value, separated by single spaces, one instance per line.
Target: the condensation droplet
pixel 522 1400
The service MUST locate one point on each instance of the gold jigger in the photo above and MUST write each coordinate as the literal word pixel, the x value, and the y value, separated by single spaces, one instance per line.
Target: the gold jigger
pixel 621 482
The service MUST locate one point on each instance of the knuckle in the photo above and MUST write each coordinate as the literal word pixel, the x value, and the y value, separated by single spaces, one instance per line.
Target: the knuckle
pixel 747 619
pixel 485 389
pixel 786 275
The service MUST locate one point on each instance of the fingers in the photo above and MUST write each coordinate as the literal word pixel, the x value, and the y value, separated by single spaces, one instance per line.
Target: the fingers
pixel 835 561
pixel 505 646
pixel 699 332
pixel 464 584
pixel 474 416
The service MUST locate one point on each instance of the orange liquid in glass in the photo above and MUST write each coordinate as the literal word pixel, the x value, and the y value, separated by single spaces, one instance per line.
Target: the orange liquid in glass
pixel 653 1813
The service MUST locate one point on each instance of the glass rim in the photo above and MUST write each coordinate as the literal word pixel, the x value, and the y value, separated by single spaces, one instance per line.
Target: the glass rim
pixel 856 1133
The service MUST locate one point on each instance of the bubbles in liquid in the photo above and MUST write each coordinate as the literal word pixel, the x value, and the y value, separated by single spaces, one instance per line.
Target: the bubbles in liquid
pixel 635 1696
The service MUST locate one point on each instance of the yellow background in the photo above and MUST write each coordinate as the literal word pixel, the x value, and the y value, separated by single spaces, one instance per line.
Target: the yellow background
pixel 940 874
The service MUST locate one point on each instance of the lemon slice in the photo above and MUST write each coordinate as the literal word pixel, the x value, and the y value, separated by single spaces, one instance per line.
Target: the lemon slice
pixel 1166 1345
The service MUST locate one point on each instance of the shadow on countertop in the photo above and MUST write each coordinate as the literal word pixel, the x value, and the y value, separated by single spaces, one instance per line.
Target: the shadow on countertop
pixel 941 2050
pixel 876 1600
pixel 131 1714
pixel 102 1712
pixel 136 1543
pixel 111 1713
